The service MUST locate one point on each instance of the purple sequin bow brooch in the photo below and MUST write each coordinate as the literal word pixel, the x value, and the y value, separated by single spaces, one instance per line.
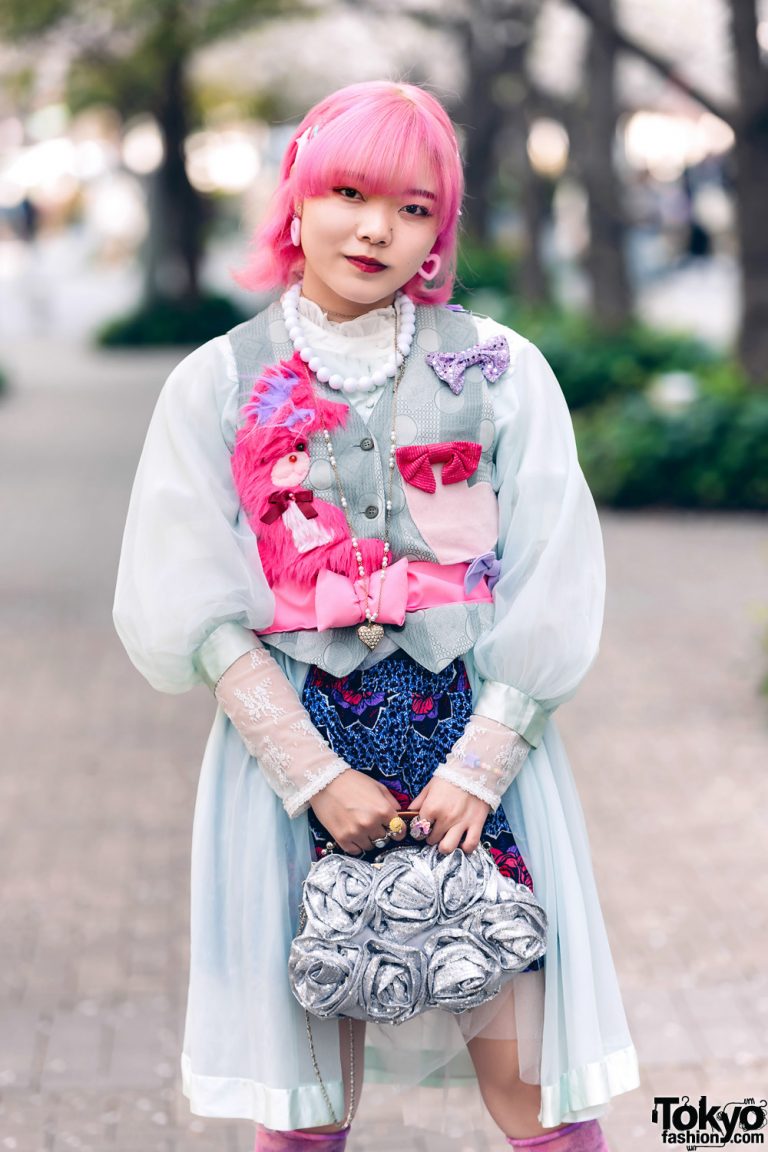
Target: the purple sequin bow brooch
pixel 492 357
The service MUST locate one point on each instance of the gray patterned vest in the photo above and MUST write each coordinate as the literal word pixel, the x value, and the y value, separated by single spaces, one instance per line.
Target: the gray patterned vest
pixel 428 413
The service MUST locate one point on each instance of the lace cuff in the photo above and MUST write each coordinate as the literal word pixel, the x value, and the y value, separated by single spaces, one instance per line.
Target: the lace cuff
pixel 276 729
pixel 485 760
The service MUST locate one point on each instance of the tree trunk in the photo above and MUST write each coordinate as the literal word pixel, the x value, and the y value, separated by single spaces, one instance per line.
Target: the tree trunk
pixel 751 157
pixel 494 40
pixel 606 259
pixel 174 248
pixel 484 121
pixel 536 195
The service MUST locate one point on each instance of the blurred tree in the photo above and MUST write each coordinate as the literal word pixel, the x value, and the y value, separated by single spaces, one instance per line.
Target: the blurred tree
pixel 493 107
pixel 135 54
pixel 749 121
pixel 751 155
pixel 499 104
pixel 595 143
pixel 496 108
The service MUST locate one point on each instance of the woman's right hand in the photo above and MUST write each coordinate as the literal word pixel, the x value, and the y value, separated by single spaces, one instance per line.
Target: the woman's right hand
pixel 355 809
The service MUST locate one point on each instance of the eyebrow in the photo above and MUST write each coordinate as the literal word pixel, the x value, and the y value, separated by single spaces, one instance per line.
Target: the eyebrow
pixel 420 192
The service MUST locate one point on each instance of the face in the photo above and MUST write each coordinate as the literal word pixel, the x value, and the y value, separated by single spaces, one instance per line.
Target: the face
pixel 360 248
pixel 291 469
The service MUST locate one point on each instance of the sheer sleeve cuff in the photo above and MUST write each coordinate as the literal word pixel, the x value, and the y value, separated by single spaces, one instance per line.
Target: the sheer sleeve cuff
pixel 276 729
pixel 299 802
pixel 222 648
pixel 511 707
pixel 485 759
pixel 464 781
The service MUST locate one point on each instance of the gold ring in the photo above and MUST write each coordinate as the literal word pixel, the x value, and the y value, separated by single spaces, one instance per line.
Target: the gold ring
pixel 397 828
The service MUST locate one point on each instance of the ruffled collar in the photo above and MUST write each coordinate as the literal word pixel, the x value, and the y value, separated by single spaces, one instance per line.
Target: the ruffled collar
pixel 353 347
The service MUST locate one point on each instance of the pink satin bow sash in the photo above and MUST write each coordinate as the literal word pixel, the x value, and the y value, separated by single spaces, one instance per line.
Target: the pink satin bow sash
pixel 335 601
pixel 458 457
pixel 339 601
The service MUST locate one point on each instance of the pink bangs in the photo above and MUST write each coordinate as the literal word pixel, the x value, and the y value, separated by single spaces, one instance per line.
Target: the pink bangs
pixel 383 138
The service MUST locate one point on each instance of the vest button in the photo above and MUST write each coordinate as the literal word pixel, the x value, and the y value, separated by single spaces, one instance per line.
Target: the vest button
pixel 366 444
pixel 371 511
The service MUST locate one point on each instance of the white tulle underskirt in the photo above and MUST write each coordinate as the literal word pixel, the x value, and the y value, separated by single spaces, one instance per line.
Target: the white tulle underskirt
pixel 245 1049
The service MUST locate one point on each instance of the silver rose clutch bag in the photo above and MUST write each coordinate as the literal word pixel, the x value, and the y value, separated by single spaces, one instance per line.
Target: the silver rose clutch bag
pixel 385 941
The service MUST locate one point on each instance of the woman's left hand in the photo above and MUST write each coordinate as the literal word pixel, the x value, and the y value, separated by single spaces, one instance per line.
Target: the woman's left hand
pixel 457 816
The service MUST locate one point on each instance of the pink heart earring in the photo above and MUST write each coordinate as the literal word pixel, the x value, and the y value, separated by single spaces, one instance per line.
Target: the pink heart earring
pixel 296 231
pixel 430 267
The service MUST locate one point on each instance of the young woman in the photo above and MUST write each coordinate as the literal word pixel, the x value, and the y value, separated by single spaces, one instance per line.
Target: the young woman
pixel 360 519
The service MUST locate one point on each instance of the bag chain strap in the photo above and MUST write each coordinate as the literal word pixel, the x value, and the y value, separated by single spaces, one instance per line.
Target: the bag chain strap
pixel 323 1089
pixel 331 1111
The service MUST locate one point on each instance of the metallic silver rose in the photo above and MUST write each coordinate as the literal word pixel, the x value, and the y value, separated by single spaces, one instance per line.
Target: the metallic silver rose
pixel 516 930
pixel 324 974
pixel 462 880
pixel 338 897
pixel 405 895
pixel 462 972
pixel 393 985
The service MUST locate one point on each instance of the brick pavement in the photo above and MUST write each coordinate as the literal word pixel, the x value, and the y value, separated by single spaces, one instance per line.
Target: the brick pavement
pixel 668 738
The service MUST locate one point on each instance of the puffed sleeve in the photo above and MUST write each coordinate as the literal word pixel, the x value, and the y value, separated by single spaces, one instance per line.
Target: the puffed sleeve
pixel 190 587
pixel 549 598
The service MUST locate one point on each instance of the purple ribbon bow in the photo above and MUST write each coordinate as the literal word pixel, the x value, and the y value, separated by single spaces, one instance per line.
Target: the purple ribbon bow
pixel 492 356
pixel 487 566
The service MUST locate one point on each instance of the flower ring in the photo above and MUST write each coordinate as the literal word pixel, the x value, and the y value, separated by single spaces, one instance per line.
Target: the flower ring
pixel 420 828
pixel 397 828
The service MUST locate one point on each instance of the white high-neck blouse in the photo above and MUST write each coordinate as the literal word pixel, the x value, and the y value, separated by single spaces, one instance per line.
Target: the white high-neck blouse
pixel 352 347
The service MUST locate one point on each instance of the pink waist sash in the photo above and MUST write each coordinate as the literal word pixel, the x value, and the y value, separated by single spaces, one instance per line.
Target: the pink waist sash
pixel 335 601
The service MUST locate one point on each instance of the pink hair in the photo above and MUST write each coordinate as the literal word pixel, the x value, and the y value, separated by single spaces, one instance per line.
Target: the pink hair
pixel 381 136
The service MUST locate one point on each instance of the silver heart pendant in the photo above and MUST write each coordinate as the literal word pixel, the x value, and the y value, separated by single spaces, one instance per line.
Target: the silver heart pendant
pixel 370 634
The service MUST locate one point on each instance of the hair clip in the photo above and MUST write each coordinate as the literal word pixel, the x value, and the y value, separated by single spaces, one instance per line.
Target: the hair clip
pixel 306 136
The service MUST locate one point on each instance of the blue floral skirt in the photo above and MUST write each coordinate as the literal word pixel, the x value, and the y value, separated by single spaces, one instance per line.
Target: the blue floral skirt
pixel 397 721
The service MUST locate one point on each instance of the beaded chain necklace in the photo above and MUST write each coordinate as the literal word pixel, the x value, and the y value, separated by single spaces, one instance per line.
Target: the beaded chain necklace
pixel 371 632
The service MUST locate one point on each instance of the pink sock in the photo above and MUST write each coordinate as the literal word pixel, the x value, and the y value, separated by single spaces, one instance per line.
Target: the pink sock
pixel 268 1140
pixel 585 1137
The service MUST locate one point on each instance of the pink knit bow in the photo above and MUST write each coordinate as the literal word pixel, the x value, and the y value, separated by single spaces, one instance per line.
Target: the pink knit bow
pixel 459 457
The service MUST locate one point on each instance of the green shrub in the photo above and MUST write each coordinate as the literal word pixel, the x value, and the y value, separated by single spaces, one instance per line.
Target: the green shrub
pixel 592 365
pixel 490 273
pixel 712 454
pixel 172 322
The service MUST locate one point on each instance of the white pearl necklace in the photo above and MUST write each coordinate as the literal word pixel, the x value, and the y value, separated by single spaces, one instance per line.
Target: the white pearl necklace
pixel 405 314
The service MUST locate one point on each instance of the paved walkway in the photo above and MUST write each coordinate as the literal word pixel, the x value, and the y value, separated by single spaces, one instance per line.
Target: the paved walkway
pixel 668 737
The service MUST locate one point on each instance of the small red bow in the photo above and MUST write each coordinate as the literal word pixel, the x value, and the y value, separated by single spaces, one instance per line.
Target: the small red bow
pixel 280 500
pixel 459 457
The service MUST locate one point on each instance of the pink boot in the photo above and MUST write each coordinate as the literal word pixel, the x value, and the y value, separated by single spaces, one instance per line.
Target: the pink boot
pixel 267 1140
pixel 586 1137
